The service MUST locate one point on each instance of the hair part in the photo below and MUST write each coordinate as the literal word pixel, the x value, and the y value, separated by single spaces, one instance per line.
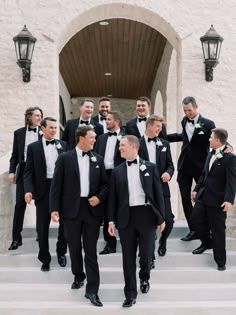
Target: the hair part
pixel 86 100
pixel 189 99
pixel 44 121
pixel 220 134
pixel 28 114
pixel 132 140
pixel 104 98
pixel 116 115
pixel 151 119
pixel 144 99
pixel 82 132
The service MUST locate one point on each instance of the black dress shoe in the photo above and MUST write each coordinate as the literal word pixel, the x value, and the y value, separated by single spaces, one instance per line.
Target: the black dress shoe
pixel 61 260
pixel 107 250
pixel 45 267
pixel 162 250
pixel 144 286
pixel 14 245
pixel 201 249
pixel 221 267
pixel 77 284
pixel 190 237
pixel 128 302
pixel 94 299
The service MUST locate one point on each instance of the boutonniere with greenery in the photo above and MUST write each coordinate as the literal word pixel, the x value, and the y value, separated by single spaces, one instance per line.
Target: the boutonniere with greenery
pixel 119 136
pixel 158 142
pixel 143 167
pixel 199 125
pixel 58 146
pixel 93 158
pixel 219 155
pixel 40 132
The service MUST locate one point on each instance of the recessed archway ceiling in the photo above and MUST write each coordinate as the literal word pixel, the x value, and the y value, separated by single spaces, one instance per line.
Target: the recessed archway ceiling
pixel 129 50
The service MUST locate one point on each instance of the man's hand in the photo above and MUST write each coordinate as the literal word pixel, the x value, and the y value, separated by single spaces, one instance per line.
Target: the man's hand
pixel 165 177
pixel 111 229
pixel 193 195
pixel 226 205
pixel 55 216
pixel 93 201
pixel 228 149
pixel 160 228
pixel 11 177
pixel 28 197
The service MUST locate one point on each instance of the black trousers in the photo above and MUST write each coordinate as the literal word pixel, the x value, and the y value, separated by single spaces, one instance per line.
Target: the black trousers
pixel 43 219
pixel 19 213
pixel 169 219
pixel 141 230
pixel 205 218
pixel 185 182
pixel 83 231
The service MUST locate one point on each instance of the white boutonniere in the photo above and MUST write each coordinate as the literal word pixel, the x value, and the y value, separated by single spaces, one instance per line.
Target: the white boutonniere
pixel 143 167
pixel 90 125
pixel 219 155
pixel 198 125
pixel 58 146
pixel 40 132
pixel 158 142
pixel 93 159
pixel 119 137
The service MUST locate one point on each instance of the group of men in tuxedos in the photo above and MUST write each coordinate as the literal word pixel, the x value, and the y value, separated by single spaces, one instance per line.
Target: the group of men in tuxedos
pixel 120 177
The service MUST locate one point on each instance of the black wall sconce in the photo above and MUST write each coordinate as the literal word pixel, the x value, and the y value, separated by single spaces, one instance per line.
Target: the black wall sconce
pixel 211 46
pixel 24 46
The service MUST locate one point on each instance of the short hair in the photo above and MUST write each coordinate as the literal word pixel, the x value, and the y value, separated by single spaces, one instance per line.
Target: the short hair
pixel 86 100
pixel 116 115
pixel 151 119
pixel 144 99
pixel 220 134
pixel 189 99
pixel 104 98
pixel 82 132
pixel 132 140
pixel 28 114
pixel 43 122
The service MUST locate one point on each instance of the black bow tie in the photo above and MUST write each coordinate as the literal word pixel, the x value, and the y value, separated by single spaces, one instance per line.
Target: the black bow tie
pixel 190 121
pixel 142 119
pixel 131 162
pixel 103 118
pixel 50 142
pixel 86 153
pixel 213 152
pixel 85 122
pixel 112 133
pixel 152 139
pixel 32 129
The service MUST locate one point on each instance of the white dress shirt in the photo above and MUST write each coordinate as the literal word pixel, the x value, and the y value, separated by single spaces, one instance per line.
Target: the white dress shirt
pixel 141 125
pixel 103 123
pixel 30 137
pixel 189 127
pixel 151 147
pixel 136 193
pixel 51 155
pixel 110 151
pixel 214 156
pixel 84 166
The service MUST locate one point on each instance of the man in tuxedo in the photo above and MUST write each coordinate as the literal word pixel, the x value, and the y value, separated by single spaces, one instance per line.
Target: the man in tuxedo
pixel 39 169
pixel 79 189
pixel 157 151
pixel 104 106
pixel 136 205
pixel 107 146
pixel 214 196
pixel 22 138
pixel 86 112
pixel 196 131
pixel 137 126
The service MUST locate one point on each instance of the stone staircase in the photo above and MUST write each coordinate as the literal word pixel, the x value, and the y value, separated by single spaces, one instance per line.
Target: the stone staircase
pixel 181 283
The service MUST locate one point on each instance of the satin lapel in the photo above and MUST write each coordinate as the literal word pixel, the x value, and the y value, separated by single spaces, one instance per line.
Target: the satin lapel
pixel 125 176
pixel 184 122
pixel 104 144
pixel 136 127
pixel 59 146
pixel 41 151
pixel 75 162
pixel 158 152
pixel 144 146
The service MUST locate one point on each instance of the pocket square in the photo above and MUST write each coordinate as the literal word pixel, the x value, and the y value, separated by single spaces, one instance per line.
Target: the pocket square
pixel 201 133
pixel 97 166
pixel 164 149
pixel 147 174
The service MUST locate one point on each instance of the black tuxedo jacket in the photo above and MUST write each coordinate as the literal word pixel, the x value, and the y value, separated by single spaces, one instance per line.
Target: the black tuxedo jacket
pixel 164 161
pixel 96 119
pixel 132 129
pixel 218 184
pixel 194 152
pixel 65 187
pixel 118 210
pixel 72 125
pixel 18 149
pixel 35 175
pixel 100 148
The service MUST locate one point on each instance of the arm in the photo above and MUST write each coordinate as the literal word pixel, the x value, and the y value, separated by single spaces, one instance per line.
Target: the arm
pixel 28 176
pixel 56 190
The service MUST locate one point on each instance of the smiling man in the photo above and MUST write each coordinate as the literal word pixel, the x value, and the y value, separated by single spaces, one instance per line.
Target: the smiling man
pixel 104 106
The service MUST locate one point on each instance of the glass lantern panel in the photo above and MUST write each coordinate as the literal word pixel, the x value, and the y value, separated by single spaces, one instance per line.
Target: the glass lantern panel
pixel 30 50
pixel 24 50
pixel 213 45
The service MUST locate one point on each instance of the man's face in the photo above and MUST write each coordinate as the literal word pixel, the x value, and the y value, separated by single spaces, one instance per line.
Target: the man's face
pixel 86 110
pixel 49 132
pixel 190 110
pixel 155 129
pixel 214 142
pixel 111 122
pixel 142 108
pixel 36 118
pixel 104 107
pixel 125 148
pixel 86 143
